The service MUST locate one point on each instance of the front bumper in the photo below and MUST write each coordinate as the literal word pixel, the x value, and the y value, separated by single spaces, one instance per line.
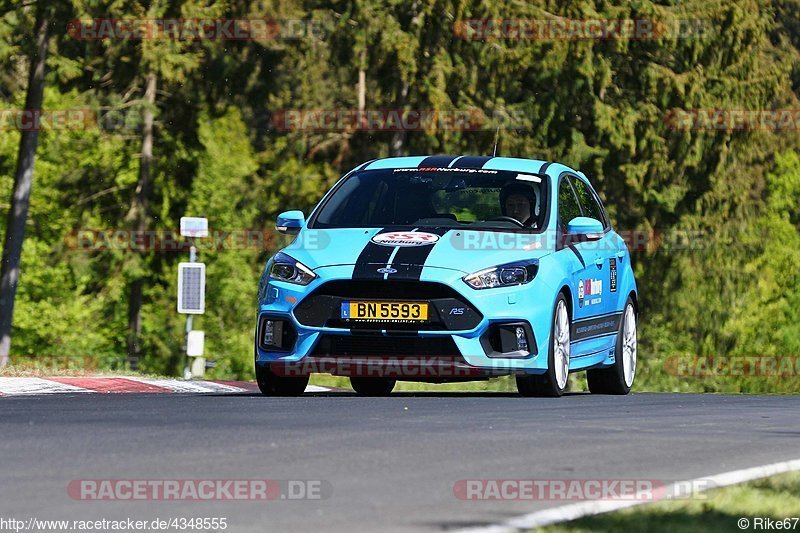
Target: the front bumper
pixel 467 336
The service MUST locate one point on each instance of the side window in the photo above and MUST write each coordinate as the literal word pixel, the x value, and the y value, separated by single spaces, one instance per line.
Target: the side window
pixel 590 205
pixel 606 221
pixel 567 203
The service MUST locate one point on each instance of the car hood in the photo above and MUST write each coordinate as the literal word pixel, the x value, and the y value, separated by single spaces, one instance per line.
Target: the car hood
pixel 466 251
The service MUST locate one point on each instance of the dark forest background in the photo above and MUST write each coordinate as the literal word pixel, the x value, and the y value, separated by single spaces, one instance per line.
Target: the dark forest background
pixel 719 273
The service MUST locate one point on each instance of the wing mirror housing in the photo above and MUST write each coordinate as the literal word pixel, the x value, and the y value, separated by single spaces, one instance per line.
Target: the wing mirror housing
pixel 588 228
pixel 290 222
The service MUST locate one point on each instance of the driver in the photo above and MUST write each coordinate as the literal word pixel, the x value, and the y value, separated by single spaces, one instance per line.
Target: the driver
pixel 518 201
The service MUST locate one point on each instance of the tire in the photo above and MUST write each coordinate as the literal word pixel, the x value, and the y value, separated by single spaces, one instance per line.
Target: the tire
pixel 552 383
pixel 271 384
pixel 372 386
pixel 618 379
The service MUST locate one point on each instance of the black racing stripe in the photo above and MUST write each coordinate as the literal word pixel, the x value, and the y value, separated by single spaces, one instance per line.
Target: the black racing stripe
pixel 409 261
pixel 544 168
pixel 473 161
pixel 371 256
pixel 600 315
pixel 595 327
pixel 437 161
pixel 577 253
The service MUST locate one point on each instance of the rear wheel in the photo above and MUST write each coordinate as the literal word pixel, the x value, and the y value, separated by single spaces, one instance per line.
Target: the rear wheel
pixel 553 382
pixel 271 384
pixel 372 386
pixel 618 379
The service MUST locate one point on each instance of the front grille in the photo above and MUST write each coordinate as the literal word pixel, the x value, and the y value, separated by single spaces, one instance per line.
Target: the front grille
pixel 393 289
pixel 448 310
pixel 379 346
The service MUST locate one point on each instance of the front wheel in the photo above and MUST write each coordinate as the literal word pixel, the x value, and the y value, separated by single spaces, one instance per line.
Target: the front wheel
pixel 271 384
pixel 618 379
pixel 372 386
pixel 553 382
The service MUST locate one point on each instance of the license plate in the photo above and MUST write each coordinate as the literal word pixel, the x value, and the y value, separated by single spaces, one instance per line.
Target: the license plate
pixel 385 311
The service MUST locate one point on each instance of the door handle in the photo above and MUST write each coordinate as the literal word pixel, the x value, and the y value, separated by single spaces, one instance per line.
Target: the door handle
pixel 620 254
pixel 599 262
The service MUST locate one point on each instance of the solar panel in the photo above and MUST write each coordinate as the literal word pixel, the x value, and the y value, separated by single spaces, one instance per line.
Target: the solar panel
pixel 191 288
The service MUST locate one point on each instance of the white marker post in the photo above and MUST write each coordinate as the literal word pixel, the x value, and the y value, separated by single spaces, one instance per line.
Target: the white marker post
pixel 192 291
pixel 195 342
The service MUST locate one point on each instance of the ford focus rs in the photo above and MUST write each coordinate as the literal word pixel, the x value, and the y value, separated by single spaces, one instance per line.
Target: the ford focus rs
pixel 448 268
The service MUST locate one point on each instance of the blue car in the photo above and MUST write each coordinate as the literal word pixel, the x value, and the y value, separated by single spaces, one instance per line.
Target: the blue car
pixel 446 268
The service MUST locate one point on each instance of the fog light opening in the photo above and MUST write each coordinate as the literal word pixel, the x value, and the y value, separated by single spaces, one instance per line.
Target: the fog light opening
pixel 276 335
pixel 522 339
pixel 269 332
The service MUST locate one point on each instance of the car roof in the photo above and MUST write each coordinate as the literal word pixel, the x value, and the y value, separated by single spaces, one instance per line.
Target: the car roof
pixel 515 164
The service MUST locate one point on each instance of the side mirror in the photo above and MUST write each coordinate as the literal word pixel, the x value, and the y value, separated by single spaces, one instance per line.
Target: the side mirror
pixel 589 228
pixel 290 222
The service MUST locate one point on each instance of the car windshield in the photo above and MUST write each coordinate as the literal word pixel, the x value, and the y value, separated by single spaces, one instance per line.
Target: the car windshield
pixel 478 199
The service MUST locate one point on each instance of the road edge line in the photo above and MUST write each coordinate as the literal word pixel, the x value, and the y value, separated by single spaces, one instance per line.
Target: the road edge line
pixel 566 513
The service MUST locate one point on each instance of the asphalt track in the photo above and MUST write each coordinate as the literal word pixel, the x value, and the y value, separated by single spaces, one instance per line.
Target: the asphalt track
pixel 388 464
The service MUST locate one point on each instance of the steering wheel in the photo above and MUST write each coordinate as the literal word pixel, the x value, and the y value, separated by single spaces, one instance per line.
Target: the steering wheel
pixel 507 219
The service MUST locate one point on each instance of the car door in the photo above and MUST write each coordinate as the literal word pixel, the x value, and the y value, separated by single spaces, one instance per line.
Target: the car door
pixel 601 253
pixel 575 252
pixel 600 286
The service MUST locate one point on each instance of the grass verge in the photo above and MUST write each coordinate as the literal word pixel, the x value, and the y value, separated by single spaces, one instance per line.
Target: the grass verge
pixel 775 498
pixel 27 371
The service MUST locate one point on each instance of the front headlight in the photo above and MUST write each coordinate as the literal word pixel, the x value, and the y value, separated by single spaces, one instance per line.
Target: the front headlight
pixel 285 268
pixel 503 276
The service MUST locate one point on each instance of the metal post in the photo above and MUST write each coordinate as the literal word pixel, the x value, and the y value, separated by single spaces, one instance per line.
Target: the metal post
pixel 187 371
